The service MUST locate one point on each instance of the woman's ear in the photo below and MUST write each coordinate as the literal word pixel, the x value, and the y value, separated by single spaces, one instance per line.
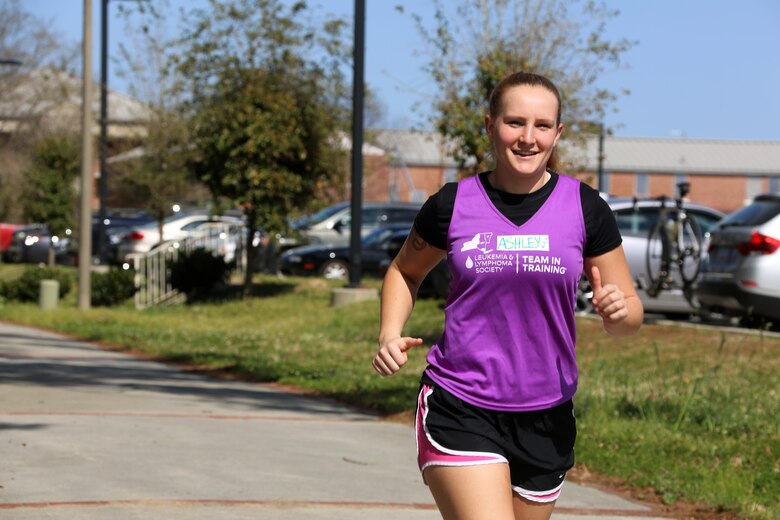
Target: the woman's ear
pixel 558 134
pixel 489 125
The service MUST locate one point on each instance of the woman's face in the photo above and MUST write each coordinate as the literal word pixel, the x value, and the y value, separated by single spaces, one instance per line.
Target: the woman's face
pixel 526 131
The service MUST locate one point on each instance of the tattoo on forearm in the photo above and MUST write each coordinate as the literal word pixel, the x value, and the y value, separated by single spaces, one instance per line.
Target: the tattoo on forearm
pixel 416 241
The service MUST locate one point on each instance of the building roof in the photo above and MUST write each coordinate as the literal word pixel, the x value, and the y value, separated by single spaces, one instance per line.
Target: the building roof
pixel 621 154
pixel 415 147
pixel 56 95
pixel 715 157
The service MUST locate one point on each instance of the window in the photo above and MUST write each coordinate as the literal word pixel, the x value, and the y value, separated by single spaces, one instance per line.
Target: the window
pixel 372 216
pixel 604 179
pixel 754 187
pixel 705 220
pixel 636 223
pixel 401 215
pixel 642 187
pixel 192 225
pixel 774 184
pixel 450 175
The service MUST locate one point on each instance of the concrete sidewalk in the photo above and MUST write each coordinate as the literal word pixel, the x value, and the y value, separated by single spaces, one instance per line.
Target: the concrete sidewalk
pixel 86 433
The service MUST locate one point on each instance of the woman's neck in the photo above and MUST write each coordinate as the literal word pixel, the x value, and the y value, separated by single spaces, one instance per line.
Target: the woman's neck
pixel 520 186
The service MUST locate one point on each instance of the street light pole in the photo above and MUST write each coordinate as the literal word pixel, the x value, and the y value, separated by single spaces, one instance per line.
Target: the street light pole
pixel 602 176
pixel 85 213
pixel 355 254
pixel 103 180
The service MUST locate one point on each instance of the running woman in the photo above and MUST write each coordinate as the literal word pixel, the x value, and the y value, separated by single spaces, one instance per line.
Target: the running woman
pixel 495 424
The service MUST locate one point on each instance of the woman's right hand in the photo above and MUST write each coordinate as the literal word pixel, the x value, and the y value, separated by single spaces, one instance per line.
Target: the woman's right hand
pixel 392 354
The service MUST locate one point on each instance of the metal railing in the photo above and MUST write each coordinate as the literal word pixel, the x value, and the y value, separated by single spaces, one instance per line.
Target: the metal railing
pixel 153 269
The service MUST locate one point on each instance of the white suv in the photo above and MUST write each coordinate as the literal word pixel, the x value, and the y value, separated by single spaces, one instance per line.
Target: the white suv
pixel 741 274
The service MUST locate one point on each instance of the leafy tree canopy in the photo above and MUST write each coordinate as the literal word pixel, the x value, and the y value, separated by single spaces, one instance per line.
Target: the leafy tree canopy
pixel 475 43
pixel 267 104
pixel 49 196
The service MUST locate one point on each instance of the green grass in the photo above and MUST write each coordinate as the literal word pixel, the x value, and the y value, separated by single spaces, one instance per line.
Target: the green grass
pixel 693 414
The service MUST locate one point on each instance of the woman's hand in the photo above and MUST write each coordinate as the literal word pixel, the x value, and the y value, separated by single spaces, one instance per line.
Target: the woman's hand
pixel 608 300
pixel 392 354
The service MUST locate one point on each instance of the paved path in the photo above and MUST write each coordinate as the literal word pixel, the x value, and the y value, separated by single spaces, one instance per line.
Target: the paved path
pixel 87 433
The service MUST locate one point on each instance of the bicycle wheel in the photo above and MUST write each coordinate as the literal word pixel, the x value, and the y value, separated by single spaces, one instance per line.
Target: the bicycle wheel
pixel 656 268
pixel 690 257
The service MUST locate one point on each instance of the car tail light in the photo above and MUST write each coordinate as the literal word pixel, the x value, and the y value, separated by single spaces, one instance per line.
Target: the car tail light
pixel 135 235
pixel 759 243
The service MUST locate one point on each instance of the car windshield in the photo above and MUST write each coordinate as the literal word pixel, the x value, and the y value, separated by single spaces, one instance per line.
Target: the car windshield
pixel 754 214
pixel 317 217
pixel 376 237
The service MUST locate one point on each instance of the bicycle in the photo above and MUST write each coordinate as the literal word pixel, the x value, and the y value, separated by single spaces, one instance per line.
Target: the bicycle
pixel 674 244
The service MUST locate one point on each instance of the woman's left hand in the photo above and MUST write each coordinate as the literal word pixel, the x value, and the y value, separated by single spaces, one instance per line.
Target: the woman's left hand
pixel 608 300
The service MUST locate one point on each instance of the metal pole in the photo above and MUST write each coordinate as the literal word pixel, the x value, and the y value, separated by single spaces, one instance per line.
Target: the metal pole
pixel 103 181
pixel 355 256
pixel 85 220
pixel 602 178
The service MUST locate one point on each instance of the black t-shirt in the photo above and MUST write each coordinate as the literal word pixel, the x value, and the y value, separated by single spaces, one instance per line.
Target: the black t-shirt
pixel 601 230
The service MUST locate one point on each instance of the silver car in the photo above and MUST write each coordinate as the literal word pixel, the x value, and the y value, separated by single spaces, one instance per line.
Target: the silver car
pixel 741 275
pixel 142 239
pixel 635 219
pixel 332 225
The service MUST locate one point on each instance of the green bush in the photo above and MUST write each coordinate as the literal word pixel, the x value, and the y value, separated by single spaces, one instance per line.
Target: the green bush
pixel 199 272
pixel 113 287
pixel 26 288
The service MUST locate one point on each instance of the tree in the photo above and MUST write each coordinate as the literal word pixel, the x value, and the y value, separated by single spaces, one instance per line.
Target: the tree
pixel 267 103
pixel 159 176
pixel 26 43
pixel 49 196
pixel 475 43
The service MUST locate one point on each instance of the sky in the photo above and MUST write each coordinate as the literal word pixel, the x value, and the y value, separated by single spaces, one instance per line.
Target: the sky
pixel 700 69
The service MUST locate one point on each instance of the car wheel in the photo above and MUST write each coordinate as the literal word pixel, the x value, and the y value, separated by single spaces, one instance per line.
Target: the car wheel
pixel 335 270
pixel 584 302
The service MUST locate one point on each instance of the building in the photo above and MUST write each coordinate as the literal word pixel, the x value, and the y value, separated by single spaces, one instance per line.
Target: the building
pixel 722 174
pixel 50 100
pixel 410 165
pixel 414 165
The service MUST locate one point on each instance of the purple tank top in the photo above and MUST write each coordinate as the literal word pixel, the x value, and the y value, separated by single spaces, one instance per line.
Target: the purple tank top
pixel 509 335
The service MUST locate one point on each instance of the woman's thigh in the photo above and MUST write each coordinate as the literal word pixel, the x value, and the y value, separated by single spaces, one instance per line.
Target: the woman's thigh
pixel 472 492
pixel 528 510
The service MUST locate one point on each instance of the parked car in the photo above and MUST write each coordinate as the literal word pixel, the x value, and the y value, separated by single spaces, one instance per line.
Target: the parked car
pixel 30 244
pixel 141 239
pixel 635 219
pixel 227 240
pixel 333 224
pixel 116 224
pixel 6 234
pixel 436 284
pixel 741 274
pixel 333 262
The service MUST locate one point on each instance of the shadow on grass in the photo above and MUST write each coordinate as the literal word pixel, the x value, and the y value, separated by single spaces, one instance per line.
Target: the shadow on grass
pixel 232 292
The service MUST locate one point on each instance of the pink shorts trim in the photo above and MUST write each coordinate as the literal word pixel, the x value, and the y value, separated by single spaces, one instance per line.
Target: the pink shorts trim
pixel 539 496
pixel 430 453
